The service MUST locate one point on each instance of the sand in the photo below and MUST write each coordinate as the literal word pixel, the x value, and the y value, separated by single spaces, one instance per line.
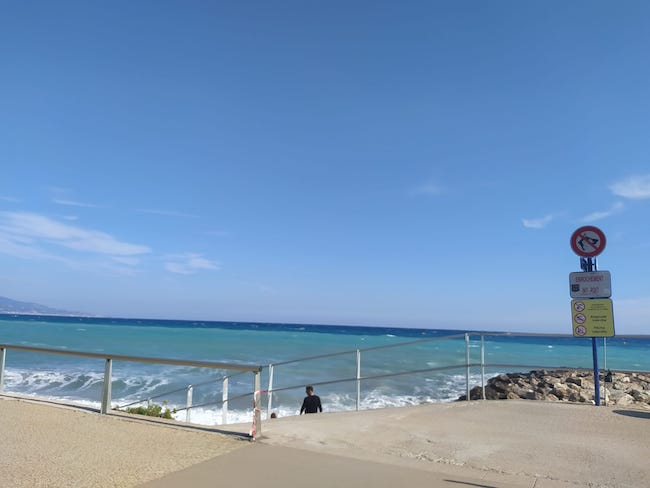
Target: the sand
pixel 46 445
pixel 481 444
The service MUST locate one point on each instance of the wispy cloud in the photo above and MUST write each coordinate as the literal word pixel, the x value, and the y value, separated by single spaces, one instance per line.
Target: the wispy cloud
pixel 539 223
pixel 128 260
pixel 167 213
pixel 72 203
pixel 635 187
pixel 615 208
pixel 431 189
pixel 16 247
pixel 189 263
pixel 9 199
pixel 37 231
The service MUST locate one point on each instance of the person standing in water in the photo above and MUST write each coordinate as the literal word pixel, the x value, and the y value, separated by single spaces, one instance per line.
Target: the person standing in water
pixel 311 403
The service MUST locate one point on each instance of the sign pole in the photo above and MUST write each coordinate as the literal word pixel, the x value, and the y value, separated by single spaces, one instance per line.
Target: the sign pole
pixel 594 348
pixel 588 242
pixel 592 266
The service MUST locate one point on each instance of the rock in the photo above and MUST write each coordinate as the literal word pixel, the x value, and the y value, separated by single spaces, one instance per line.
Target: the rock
pixel 561 390
pixel 585 398
pixel 574 386
pixel 638 395
pixel 533 395
pixel 567 386
pixel 574 381
pixel 625 399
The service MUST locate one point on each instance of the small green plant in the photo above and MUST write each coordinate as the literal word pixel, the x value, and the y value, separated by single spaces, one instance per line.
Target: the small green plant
pixel 152 410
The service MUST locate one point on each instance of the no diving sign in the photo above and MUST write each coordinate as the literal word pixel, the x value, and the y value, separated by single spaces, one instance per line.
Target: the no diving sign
pixel 588 241
pixel 592 318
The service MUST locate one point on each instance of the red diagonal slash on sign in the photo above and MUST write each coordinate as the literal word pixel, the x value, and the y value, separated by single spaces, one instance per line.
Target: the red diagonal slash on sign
pixel 588 241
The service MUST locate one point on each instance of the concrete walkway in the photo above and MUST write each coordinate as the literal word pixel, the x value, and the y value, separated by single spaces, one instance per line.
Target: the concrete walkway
pixel 493 444
pixel 284 467
pixel 482 444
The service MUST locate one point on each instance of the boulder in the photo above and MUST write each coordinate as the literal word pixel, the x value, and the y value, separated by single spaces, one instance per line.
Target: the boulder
pixel 561 391
pixel 568 386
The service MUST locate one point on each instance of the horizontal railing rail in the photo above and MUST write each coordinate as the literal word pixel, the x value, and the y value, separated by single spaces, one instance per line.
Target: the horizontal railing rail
pixel 187 389
pixel 374 348
pixel 110 358
pixel 467 364
pixel 216 402
pixel 136 359
pixel 378 376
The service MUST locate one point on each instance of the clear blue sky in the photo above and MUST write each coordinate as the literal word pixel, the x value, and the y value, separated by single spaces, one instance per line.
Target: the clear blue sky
pixel 416 164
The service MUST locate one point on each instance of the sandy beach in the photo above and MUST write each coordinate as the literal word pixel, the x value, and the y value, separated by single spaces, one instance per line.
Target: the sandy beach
pixel 48 445
pixel 485 444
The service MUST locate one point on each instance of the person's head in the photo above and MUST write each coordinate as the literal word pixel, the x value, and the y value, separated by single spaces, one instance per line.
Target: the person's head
pixel 310 390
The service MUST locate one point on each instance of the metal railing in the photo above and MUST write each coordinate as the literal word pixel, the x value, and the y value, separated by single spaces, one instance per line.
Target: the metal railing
pixel 466 364
pixel 357 377
pixel 189 394
pixel 108 373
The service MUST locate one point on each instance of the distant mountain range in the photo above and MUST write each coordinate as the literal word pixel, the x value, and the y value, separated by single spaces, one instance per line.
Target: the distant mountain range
pixel 7 305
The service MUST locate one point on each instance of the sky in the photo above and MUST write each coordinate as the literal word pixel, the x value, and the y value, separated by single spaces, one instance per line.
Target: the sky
pixel 380 163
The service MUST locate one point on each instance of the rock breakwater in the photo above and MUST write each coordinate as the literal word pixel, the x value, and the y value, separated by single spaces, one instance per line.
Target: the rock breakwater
pixel 577 386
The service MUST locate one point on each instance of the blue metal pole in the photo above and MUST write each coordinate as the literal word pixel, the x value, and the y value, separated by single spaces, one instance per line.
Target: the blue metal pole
pixel 591 265
pixel 594 348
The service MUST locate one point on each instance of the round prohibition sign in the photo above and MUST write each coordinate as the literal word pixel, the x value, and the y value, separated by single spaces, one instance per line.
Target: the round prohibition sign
pixel 579 306
pixel 588 241
pixel 580 318
pixel 581 330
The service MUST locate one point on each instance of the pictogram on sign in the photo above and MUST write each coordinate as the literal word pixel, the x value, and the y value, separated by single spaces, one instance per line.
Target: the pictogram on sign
pixel 592 317
pixel 588 241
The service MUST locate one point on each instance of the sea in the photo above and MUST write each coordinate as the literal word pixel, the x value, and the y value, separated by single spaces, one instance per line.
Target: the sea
pixel 350 367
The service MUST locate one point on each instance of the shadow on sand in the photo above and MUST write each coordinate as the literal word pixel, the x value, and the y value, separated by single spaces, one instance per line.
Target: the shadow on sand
pixel 633 413
pixel 466 483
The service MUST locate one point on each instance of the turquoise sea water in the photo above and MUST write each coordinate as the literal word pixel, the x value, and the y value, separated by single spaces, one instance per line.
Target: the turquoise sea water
pixel 79 379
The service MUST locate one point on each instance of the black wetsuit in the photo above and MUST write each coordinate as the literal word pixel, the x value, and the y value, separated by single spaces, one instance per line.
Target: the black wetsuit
pixel 311 404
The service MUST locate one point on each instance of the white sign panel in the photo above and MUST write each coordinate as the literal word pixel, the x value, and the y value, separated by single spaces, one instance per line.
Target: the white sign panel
pixel 590 284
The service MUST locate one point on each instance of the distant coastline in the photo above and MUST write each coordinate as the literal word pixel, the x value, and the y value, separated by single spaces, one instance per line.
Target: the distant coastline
pixel 10 306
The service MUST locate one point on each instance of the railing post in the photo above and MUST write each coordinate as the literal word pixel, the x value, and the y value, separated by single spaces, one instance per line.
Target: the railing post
pixel 483 365
pixel 467 363
pixel 190 389
pixel 106 388
pixel 224 402
pixel 270 393
pixel 3 355
pixel 257 399
pixel 358 379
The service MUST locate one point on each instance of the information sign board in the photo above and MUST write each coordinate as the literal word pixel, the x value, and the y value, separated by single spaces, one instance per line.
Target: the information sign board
pixel 592 318
pixel 590 284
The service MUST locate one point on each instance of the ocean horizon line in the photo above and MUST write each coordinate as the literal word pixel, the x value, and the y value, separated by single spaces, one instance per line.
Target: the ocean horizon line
pixel 344 329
